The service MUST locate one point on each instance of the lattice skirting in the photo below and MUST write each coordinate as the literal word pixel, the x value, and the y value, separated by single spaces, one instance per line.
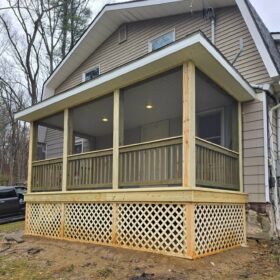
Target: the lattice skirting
pixel 187 230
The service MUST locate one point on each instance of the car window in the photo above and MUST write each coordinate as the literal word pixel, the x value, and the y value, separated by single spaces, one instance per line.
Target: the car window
pixel 7 193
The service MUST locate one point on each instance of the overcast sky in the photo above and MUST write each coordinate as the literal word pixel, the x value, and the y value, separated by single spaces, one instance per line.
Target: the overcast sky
pixel 269 10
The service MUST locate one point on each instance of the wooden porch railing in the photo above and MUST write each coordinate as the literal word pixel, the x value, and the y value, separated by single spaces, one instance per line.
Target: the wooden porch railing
pixel 152 163
pixel 90 170
pixel 144 164
pixel 47 175
pixel 216 166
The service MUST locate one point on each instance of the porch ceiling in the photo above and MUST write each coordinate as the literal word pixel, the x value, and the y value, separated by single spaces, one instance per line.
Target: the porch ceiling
pixel 194 47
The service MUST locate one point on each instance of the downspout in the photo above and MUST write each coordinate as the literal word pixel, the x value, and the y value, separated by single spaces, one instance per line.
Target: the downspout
pixel 274 184
pixel 266 159
pixel 213 28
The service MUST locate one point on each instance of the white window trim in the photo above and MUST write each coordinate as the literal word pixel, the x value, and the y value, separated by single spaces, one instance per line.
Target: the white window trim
pixel 159 35
pixel 90 69
pixel 222 111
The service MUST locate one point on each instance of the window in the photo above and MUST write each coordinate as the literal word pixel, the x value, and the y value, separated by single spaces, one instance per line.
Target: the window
pixel 7 193
pixel 161 41
pixel 41 151
pixel 78 147
pixel 92 73
pixel 210 126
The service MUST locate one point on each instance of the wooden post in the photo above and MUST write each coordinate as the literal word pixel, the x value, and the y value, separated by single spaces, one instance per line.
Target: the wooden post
pixel 67 146
pixel 190 230
pixel 117 135
pixel 33 135
pixel 114 222
pixel 240 147
pixel 189 163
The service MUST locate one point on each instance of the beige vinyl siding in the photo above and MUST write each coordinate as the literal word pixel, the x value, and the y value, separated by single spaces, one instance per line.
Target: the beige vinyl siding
pixel 253 151
pixel 54 141
pixel 230 27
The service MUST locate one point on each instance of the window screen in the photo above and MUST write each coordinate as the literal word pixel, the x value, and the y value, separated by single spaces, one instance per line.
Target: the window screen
pixel 210 127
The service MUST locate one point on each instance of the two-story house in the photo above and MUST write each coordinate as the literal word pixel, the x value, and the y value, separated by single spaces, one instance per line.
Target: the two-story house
pixel 155 127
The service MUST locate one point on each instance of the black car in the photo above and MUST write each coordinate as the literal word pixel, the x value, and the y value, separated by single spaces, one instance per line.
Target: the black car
pixel 11 206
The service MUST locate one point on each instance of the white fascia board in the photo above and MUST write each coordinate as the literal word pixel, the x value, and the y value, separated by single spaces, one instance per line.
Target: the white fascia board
pixel 267 60
pixel 138 64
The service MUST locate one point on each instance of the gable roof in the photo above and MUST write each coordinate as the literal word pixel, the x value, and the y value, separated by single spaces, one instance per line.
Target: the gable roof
pixel 114 15
pixel 259 34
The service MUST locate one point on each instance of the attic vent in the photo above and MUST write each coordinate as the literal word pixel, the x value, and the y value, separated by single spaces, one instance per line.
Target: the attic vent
pixel 122 34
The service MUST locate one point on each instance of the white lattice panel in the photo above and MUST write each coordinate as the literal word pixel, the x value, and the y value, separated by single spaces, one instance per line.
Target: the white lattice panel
pixel 152 227
pixel 43 219
pixel 218 227
pixel 91 222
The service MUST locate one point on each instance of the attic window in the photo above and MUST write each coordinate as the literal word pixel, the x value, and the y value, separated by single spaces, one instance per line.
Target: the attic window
pixel 161 40
pixel 122 34
pixel 92 73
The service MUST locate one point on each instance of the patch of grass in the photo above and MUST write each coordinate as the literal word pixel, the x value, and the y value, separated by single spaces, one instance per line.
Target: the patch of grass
pixel 104 272
pixel 18 269
pixel 11 227
pixel 70 268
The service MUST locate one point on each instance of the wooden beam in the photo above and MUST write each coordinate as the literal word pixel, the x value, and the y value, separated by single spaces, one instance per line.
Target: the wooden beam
pixel 153 195
pixel 116 139
pixel 67 146
pixel 240 147
pixel 189 163
pixel 33 136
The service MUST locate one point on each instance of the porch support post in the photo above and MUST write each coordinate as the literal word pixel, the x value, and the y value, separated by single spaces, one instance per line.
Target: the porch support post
pixel 117 136
pixel 240 147
pixel 67 146
pixel 33 134
pixel 189 162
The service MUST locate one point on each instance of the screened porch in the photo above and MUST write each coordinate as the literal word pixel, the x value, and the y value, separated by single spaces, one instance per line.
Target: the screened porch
pixel 134 138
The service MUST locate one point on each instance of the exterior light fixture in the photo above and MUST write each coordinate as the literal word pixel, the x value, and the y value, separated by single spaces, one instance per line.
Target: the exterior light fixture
pixel 149 106
pixel 105 119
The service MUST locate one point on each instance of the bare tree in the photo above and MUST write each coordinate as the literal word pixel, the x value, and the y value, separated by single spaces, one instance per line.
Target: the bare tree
pixel 35 35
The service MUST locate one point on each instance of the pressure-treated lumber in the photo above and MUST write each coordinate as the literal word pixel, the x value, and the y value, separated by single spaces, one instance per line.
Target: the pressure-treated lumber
pixel 116 138
pixel 175 195
pixel 188 124
pixel 190 228
pixel 240 147
pixel 67 146
pixel 33 134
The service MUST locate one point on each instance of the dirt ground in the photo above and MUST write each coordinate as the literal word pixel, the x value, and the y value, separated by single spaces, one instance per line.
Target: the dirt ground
pixel 38 258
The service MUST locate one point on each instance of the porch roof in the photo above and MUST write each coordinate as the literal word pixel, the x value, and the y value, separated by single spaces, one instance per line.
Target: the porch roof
pixel 194 47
